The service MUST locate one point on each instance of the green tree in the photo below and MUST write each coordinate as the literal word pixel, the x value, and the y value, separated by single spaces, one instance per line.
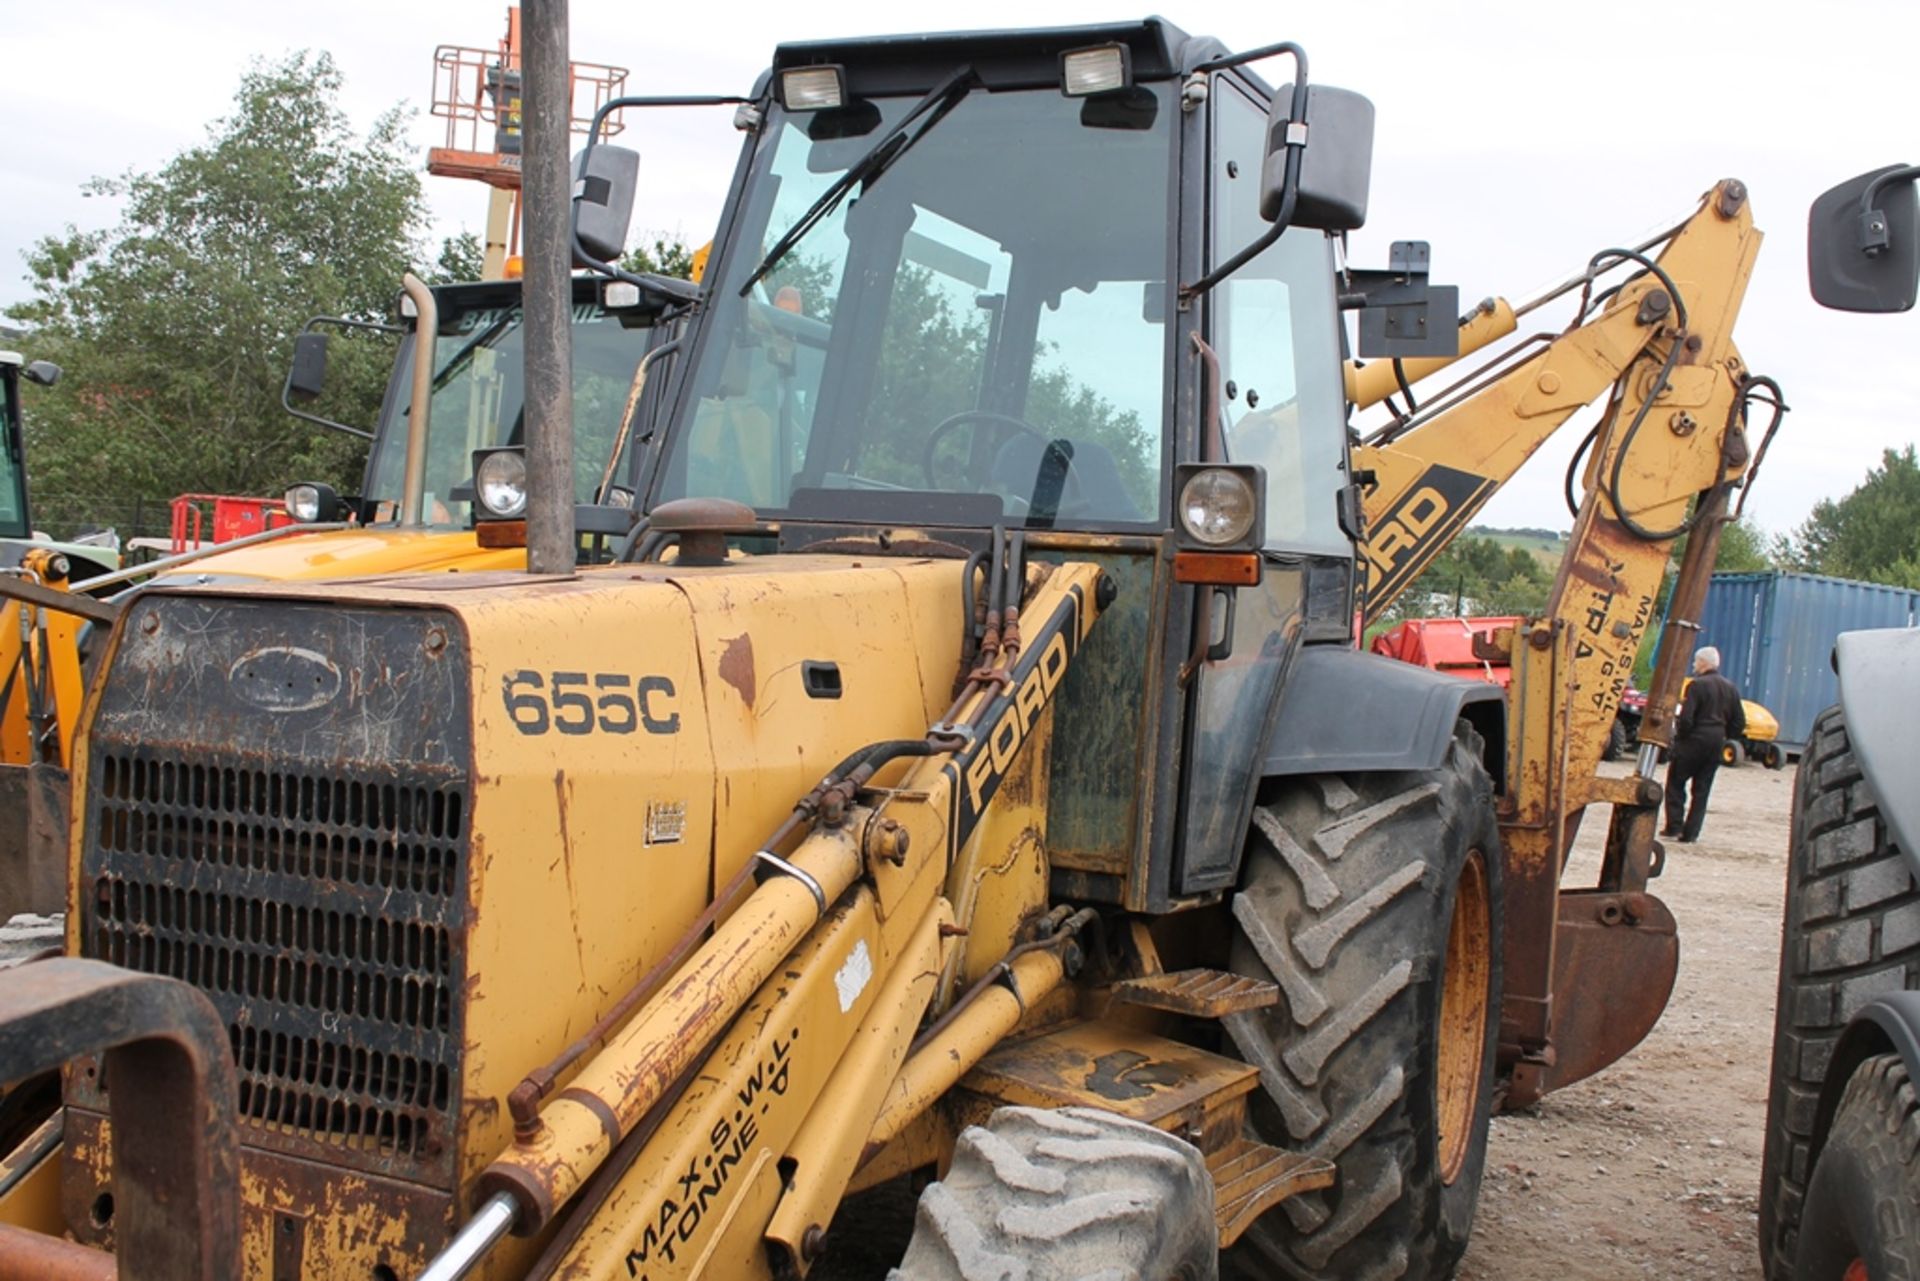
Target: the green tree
pixel 1744 549
pixel 1477 576
pixel 663 256
pixel 175 326
pixel 1873 533
pixel 462 258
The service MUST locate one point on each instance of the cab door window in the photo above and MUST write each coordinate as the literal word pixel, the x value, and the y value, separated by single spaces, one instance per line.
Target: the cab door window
pixel 1276 329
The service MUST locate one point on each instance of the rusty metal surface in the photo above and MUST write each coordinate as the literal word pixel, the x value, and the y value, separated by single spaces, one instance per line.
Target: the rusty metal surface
pixel 277 812
pixel 175 1203
pixel 722 515
pixel 1102 1065
pixel 1206 994
pixel 333 1223
pixel 25 1254
pixel 33 839
pixel 31 593
pixel 1250 1178
pixel 1614 965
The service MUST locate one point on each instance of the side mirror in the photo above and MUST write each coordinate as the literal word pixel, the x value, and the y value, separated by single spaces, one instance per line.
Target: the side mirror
pixel 308 376
pixel 604 181
pixel 1336 160
pixel 1863 242
pixel 43 372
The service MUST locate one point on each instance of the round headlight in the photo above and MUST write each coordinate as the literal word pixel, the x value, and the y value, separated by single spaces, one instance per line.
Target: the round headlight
pixel 500 483
pixel 1216 507
pixel 303 503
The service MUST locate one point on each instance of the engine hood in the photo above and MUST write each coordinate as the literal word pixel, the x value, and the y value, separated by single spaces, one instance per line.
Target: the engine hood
pixel 350 553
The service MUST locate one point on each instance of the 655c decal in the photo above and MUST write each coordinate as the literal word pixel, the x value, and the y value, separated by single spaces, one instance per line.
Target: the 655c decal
pixel 589 702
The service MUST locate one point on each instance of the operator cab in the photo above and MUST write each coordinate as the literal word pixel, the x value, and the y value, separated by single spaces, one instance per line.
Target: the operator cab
pixel 987 327
pixel 1078 285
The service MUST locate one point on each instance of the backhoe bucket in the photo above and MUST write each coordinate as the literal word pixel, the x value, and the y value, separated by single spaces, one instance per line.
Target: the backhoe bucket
pixel 1615 959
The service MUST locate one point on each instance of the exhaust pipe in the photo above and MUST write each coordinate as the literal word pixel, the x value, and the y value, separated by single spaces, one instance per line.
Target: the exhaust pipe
pixel 426 326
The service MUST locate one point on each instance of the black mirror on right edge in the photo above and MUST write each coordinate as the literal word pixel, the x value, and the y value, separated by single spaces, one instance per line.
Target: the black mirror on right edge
pixel 1863 242
pixel 1336 161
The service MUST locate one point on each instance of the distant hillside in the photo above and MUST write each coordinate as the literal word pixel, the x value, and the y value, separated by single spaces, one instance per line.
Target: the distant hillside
pixel 1545 544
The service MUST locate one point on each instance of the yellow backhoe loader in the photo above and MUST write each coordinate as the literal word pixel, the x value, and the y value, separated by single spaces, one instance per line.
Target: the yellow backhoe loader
pixel 1004 544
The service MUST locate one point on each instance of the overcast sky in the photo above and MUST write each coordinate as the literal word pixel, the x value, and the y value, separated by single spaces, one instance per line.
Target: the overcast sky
pixel 1517 138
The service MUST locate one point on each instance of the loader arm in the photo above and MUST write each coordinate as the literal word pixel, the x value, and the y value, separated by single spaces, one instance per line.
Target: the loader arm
pixel 1668 449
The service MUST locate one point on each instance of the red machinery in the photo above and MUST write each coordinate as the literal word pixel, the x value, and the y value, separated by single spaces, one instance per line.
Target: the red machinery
pixel 1448 645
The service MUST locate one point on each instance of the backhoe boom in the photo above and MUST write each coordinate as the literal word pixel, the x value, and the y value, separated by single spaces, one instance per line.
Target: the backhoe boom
pixel 1671 440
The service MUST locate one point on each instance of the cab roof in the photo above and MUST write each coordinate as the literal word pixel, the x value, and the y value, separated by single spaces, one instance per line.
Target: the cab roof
pixel 1027 58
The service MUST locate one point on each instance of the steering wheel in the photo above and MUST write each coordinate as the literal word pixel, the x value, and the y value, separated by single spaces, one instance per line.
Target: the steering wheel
pixel 961 419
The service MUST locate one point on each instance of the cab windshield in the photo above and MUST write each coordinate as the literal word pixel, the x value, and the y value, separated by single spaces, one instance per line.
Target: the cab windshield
pixel 977 336
pixel 479 401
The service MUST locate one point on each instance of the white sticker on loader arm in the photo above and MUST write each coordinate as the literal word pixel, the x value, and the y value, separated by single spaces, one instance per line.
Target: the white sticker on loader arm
pixel 853 976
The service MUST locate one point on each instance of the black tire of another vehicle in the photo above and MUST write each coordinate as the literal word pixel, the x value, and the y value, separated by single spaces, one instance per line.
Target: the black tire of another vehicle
pixel 1348 902
pixel 1851 931
pixel 1863 1205
pixel 1619 742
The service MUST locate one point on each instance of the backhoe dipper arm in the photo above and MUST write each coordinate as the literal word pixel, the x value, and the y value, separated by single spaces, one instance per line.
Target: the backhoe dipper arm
pixel 1671 440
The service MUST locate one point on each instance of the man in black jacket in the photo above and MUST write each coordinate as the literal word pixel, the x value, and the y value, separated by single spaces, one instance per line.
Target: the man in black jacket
pixel 1710 716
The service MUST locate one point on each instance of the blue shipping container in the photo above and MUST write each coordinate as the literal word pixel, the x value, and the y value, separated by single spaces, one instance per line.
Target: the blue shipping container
pixel 1775 633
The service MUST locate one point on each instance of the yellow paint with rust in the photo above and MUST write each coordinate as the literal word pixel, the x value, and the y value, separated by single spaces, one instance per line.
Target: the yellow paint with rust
pixel 974 1031
pixel 355 553
pixel 33 1202
pixel 44 642
pixel 703 1187
pixel 892 627
pixel 827 1147
pixel 615 1088
pixel 590 853
pixel 999 881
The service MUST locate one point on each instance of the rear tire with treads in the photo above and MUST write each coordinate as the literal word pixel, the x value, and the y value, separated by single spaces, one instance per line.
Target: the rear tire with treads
pixel 1851 931
pixel 1038 1195
pixel 1863 1203
pixel 1375 902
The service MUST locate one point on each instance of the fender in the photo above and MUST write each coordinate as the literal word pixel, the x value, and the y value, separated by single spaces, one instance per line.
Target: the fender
pixel 1874 668
pixel 1345 711
pixel 1888 1025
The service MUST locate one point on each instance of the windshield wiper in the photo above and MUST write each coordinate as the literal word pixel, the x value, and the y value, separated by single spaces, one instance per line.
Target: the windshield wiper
pixel 941 99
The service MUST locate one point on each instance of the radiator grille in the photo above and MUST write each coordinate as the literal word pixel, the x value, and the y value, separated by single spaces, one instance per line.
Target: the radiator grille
pixel 319 911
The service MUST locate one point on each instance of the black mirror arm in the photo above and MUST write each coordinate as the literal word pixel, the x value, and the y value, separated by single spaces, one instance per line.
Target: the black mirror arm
pixel 286 387
pixel 1296 143
pixel 1873 237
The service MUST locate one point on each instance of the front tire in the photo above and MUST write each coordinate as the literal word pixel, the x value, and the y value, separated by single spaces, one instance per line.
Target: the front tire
pixel 1375 902
pixel 1851 931
pixel 1039 1195
pixel 1863 1205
